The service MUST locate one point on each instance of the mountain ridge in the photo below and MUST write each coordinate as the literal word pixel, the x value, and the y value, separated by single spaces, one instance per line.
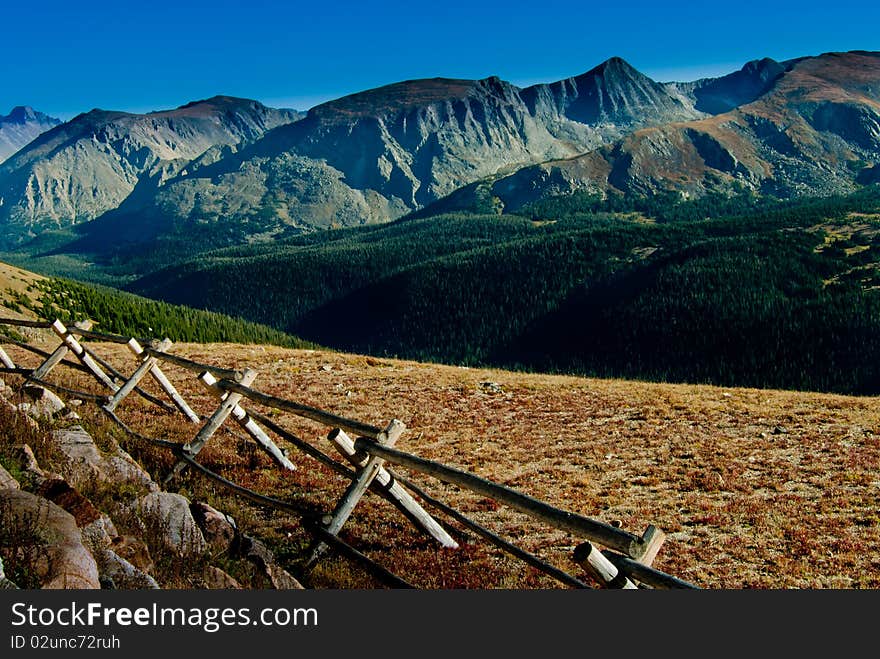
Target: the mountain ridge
pixel 785 128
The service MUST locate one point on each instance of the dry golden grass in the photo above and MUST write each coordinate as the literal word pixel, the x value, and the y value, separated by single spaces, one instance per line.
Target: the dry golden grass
pixel 755 488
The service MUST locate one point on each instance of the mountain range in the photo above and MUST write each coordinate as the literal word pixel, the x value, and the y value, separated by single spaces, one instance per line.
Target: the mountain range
pixel 226 171
pixel 20 127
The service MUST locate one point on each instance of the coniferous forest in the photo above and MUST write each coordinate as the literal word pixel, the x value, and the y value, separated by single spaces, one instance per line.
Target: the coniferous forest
pixel 727 290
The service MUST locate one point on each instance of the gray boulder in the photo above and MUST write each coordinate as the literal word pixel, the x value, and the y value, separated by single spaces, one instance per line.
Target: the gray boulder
pixel 218 528
pixel 261 556
pixel 57 555
pixel 217 579
pixel 44 403
pixel 122 574
pixel 87 465
pixel 166 518
pixel 5 584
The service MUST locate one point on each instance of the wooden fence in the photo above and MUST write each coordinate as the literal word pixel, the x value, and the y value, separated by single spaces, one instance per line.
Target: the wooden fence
pixel 367 452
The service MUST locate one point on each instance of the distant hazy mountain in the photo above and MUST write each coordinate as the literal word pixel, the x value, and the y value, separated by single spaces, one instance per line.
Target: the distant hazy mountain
pixel 81 169
pixel 21 126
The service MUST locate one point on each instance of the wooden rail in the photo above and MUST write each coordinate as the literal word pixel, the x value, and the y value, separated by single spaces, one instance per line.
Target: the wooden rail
pixel 98 336
pixel 305 411
pixel 196 367
pixel 602 533
pixel 15 322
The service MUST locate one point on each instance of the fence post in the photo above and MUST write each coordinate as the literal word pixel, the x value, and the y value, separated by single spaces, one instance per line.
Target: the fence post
pixel 41 371
pixel 6 360
pixel 400 497
pixel 603 570
pixel 73 345
pixel 354 492
pixel 163 381
pixel 249 425
pixel 212 424
pixel 135 378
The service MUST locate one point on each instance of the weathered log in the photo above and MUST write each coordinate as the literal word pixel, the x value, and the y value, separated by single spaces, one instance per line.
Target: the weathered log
pixel 55 358
pixel 227 373
pixel 41 324
pixel 356 490
pixel 302 410
pixel 493 538
pixel 159 376
pixel 42 353
pixel 132 382
pixel 6 359
pixel 87 361
pixel 86 333
pixel 214 422
pixel 603 570
pixel 646 574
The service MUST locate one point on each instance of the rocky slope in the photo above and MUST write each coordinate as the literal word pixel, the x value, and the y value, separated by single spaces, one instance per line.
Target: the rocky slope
pixel 86 515
pixel 379 154
pixel 81 169
pixel 20 127
pixel 806 127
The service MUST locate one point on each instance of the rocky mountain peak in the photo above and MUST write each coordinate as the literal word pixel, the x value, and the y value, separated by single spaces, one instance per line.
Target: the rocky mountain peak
pixel 20 127
pixel 390 100
pixel 719 95
pixel 612 92
pixel 21 114
pixel 24 114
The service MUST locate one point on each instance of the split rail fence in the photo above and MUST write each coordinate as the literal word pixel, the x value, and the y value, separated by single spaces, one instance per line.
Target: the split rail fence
pixel 613 557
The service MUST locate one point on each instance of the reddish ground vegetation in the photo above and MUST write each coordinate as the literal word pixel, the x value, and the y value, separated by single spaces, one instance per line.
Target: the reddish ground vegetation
pixel 755 488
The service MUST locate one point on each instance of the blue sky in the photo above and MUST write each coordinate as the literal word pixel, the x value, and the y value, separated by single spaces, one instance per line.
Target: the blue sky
pixel 69 57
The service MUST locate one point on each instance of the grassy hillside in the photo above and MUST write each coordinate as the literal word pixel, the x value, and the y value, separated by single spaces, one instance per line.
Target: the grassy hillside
pixel 754 488
pixel 731 291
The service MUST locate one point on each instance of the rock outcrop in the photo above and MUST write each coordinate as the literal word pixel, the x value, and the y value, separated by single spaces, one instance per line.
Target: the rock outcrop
pixel 57 555
pixel 86 465
pixel 63 540
pixel 7 482
pixel 166 517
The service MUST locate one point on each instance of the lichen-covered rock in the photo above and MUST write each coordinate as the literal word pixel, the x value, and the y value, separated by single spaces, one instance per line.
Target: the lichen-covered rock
pixel 122 574
pixel 134 550
pixel 217 579
pixel 261 556
pixel 166 518
pixel 5 584
pixel 44 403
pixel 58 557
